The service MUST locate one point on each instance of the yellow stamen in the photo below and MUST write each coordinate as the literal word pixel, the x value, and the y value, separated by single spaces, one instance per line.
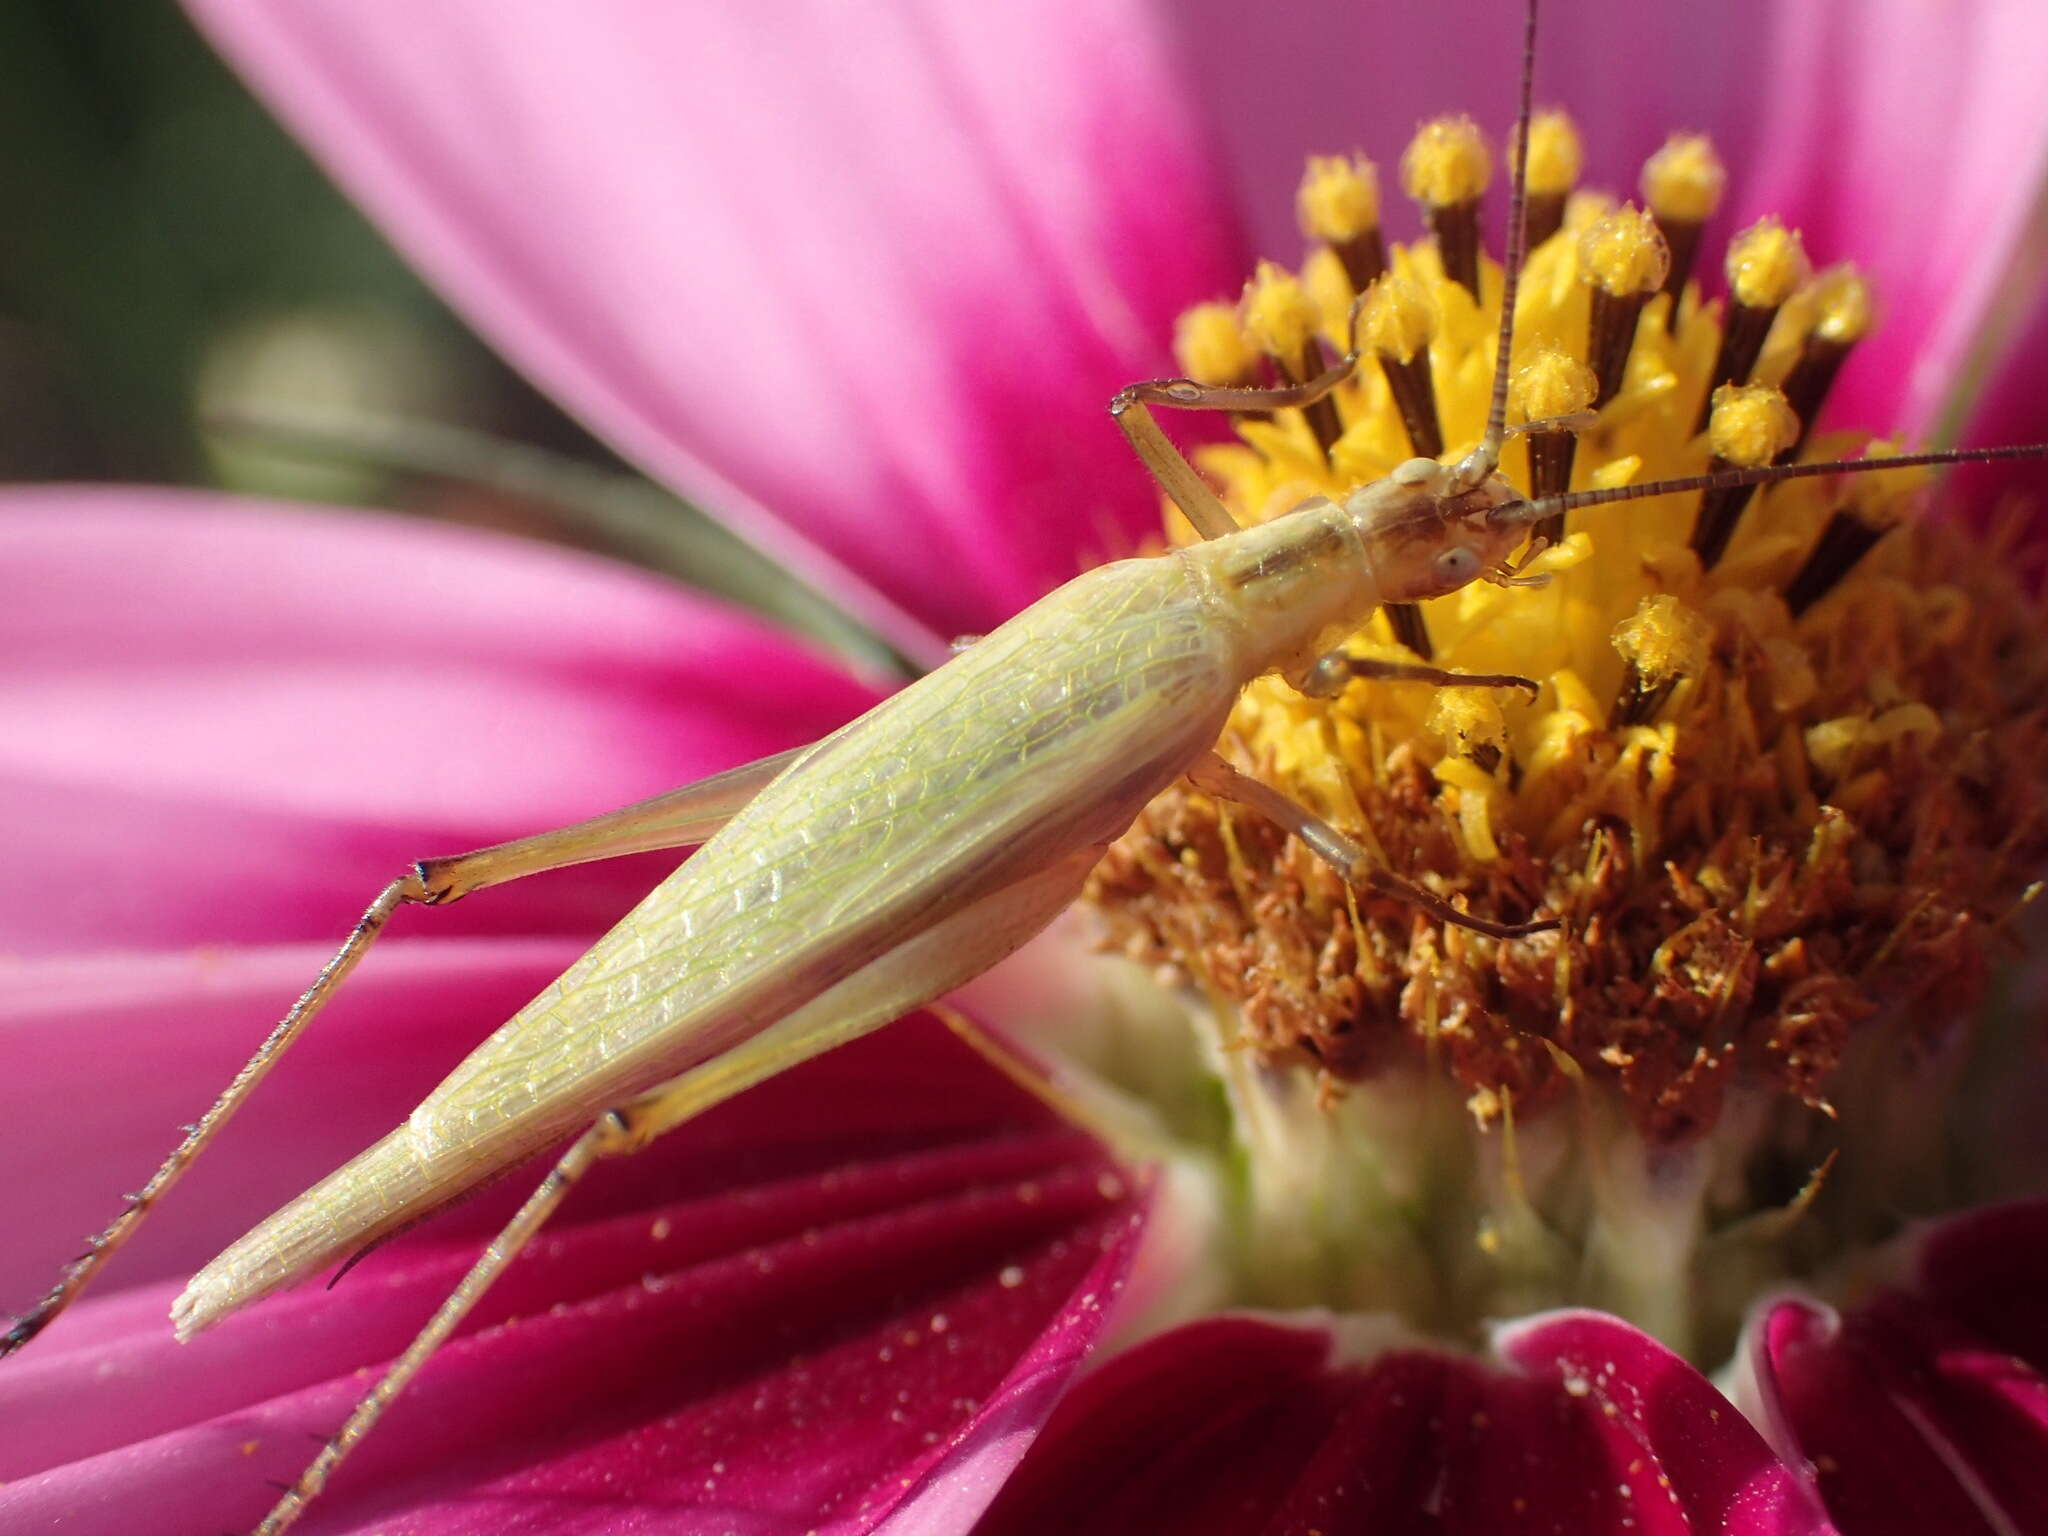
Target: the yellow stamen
pixel 1555 155
pixel 1624 259
pixel 1446 163
pixel 1751 424
pixel 1552 384
pixel 1683 181
pixel 1339 198
pixel 1842 307
pixel 1663 639
pixel 1396 319
pixel 1624 254
pixel 1278 316
pixel 1210 346
pixel 1766 265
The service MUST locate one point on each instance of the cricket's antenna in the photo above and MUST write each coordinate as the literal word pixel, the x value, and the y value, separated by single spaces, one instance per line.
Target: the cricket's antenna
pixel 1485 459
pixel 1515 513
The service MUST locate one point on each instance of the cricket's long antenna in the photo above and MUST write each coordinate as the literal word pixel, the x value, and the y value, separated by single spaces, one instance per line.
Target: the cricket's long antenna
pixel 1516 513
pixel 1485 459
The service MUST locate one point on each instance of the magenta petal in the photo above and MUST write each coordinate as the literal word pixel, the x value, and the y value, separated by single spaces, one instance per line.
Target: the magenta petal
pixel 1924 1409
pixel 1237 1426
pixel 1911 139
pixel 1199 1431
pixel 1985 1270
pixel 237 719
pixel 1873 1464
pixel 1689 1460
pixel 860 280
pixel 810 1340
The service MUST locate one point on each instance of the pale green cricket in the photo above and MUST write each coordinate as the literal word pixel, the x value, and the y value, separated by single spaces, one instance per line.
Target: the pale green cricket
pixel 846 883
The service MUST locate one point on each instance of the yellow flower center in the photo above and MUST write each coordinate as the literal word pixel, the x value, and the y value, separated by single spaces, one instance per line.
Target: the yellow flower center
pixel 1784 779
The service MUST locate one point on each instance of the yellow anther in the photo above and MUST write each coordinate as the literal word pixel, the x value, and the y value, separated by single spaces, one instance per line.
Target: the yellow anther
pixel 1584 209
pixel 1624 253
pixel 1467 718
pixel 1277 314
pixel 1767 264
pixel 1664 639
pixel 1684 180
pixel 1751 424
pixel 1556 155
pixel 1446 163
pixel 1552 383
pixel 1210 345
pixel 1884 498
pixel 1397 319
pixel 1339 198
pixel 1842 307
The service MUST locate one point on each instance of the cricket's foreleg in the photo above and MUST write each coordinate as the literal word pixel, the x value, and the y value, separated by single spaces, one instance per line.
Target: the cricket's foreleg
pixel 1177 477
pixel 677 819
pixel 1328 676
pixel 952 951
pixel 1358 867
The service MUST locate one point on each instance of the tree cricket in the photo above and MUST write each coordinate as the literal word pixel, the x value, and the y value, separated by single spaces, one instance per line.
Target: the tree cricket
pixel 843 884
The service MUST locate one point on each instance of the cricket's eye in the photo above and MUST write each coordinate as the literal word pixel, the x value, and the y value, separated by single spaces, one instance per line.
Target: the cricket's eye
pixel 1458 564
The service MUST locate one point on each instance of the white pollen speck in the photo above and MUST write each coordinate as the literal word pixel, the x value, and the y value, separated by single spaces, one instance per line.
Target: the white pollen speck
pixel 1578 1386
pixel 661 1228
pixel 1011 1277
pixel 939 1322
pixel 1110 1186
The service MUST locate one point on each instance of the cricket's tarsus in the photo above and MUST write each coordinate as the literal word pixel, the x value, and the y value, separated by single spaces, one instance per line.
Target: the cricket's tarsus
pixel 759 969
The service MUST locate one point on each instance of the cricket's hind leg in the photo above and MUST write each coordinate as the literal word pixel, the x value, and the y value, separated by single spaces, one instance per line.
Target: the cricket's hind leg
pixel 1355 864
pixel 677 819
pixel 943 956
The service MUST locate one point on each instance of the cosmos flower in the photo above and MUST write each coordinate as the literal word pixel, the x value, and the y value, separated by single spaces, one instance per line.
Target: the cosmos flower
pixel 863 285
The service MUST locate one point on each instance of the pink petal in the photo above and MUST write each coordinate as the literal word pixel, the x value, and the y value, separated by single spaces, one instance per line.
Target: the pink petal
pixel 859 280
pixel 1912 139
pixel 239 719
pixel 1236 1426
pixel 108 1055
pixel 2014 409
pixel 747 1324
pixel 1923 1409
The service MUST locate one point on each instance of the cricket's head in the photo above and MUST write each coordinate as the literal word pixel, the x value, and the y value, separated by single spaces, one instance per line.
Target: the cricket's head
pixel 1425 534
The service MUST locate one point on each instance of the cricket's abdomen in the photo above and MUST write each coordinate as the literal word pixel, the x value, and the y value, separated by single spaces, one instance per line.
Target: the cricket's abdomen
pixel 1044 737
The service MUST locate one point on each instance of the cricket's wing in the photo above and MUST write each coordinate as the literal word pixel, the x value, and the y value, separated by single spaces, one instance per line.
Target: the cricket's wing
pixel 1044 738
